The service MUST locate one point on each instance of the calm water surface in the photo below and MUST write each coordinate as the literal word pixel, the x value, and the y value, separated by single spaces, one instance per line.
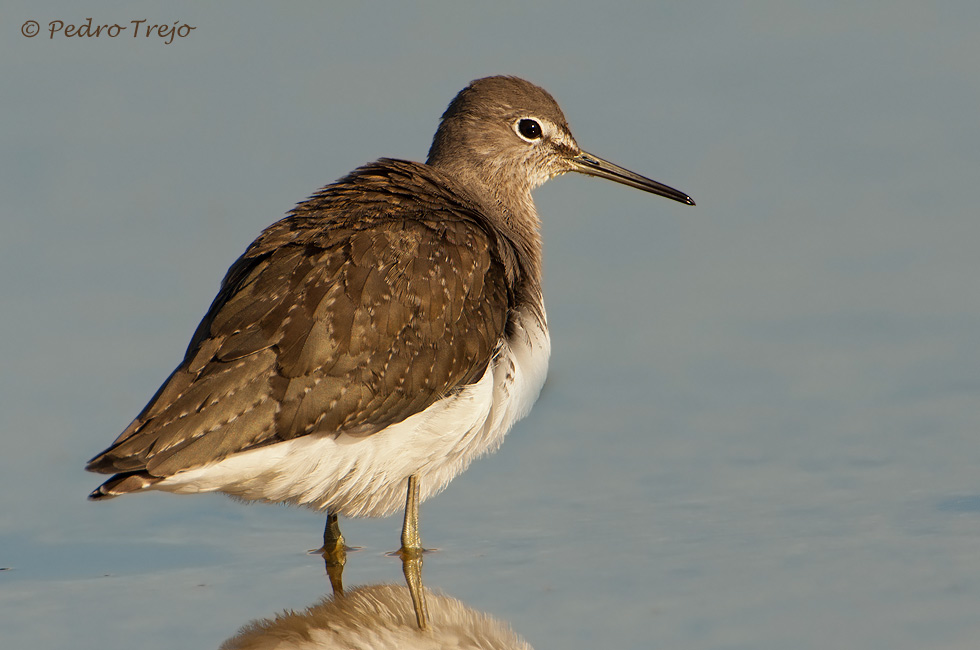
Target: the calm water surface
pixel 760 426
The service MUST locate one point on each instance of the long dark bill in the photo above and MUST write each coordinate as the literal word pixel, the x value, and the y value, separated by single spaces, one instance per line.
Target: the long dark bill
pixel 586 163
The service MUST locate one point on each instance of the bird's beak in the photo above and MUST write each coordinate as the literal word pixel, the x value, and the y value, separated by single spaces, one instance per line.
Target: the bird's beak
pixel 586 163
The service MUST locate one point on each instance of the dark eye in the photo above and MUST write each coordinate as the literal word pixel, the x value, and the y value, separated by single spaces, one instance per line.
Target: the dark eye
pixel 529 129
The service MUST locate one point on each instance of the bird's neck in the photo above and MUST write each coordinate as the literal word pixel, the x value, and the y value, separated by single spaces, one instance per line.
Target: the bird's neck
pixel 518 220
pixel 509 205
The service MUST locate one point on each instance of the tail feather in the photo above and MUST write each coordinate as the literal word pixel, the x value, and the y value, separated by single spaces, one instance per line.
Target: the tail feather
pixel 123 484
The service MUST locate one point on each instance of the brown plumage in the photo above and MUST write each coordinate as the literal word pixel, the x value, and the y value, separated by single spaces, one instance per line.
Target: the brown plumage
pixel 379 295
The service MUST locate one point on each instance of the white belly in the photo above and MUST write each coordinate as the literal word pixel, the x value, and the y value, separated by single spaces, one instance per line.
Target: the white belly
pixel 368 475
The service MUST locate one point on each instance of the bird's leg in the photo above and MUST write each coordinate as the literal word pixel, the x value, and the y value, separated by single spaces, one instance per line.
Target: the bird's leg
pixel 411 542
pixel 334 553
pixel 411 552
pixel 332 537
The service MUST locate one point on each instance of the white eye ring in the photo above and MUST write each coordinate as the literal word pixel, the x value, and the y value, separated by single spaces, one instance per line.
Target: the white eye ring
pixel 529 129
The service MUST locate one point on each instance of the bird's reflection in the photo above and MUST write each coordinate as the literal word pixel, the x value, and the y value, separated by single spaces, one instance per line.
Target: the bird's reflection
pixel 376 617
pixel 334 553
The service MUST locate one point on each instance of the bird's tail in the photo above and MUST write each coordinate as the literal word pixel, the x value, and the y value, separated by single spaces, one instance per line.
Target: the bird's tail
pixel 123 484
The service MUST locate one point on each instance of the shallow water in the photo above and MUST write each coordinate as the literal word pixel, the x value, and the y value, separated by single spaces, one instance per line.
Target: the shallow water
pixel 760 424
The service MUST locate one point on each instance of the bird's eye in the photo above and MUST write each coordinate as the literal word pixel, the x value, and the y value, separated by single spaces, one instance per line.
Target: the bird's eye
pixel 529 129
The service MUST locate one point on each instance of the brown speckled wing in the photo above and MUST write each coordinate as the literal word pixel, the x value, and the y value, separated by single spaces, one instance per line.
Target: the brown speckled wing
pixel 377 297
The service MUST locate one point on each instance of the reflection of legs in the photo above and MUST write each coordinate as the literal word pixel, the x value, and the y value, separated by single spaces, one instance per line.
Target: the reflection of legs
pixel 412 567
pixel 411 552
pixel 334 553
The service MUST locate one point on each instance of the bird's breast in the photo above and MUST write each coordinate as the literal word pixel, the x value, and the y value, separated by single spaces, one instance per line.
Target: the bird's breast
pixel 520 368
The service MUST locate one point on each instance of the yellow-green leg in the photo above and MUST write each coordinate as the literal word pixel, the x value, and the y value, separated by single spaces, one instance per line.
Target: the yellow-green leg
pixel 411 552
pixel 334 553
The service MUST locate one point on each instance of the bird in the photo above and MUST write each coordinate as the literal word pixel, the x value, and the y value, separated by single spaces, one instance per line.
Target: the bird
pixel 386 332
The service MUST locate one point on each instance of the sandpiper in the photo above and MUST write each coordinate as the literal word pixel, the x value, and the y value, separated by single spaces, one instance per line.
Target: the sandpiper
pixel 369 346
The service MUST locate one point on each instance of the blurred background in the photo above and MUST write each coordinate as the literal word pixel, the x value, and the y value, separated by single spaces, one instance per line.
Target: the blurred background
pixel 760 425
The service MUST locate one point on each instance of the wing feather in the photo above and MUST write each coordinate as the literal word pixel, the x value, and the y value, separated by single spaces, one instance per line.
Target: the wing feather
pixel 348 316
